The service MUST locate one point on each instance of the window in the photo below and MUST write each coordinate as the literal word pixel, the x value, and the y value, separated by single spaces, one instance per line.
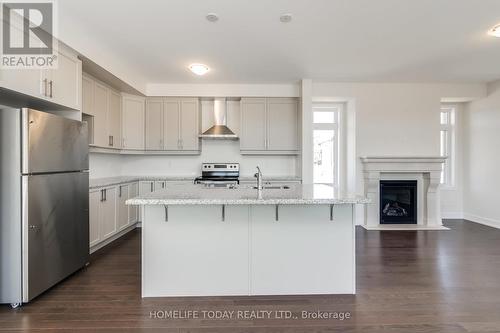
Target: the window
pixel 447 145
pixel 326 119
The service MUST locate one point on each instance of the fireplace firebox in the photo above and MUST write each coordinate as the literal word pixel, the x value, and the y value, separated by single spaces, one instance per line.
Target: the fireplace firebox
pixel 398 202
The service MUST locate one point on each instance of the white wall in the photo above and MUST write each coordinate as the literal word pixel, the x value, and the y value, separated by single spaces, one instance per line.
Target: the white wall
pixel 394 119
pixel 212 151
pixel 482 162
pixel 108 165
pixel 104 165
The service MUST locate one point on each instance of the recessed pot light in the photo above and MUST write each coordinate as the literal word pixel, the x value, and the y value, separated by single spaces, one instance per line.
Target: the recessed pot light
pixel 212 17
pixel 285 18
pixel 199 69
pixel 495 31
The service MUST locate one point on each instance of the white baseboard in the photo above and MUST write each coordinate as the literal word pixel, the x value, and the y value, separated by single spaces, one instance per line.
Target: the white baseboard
pixel 482 220
pixel 401 227
pixel 113 238
pixel 452 215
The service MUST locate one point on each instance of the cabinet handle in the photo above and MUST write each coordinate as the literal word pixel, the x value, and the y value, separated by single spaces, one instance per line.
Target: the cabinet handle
pixel 162 185
pixel 50 86
pixel 120 191
pixel 102 195
pixel 44 87
pixel 166 213
pixel 110 139
pixel 151 186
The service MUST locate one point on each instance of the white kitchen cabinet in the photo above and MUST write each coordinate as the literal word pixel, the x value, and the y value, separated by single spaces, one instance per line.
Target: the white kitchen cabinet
pixel 133 114
pixel 65 81
pixel 114 119
pixel 189 124
pixel 87 95
pixel 100 112
pixel 253 124
pixel 171 124
pixel 282 124
pixel 160 185
pixel 269 126
pixel 94 203
pixel 108 213
pixel 104 105
pixel 154 124
pixel 122 209
pixel 181 124
pixel 146 187
pixel 61 85
pixel 26 81
pixel 133 210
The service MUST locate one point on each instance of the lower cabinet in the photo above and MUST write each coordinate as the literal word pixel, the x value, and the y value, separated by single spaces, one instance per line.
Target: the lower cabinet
pixel 146 187
pixel 108 212
pixel 123 195
pixel 133 211
pixel 94 203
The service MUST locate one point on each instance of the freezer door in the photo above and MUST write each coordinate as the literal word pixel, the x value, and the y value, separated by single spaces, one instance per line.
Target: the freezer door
pixel 55 229
pixel 52 143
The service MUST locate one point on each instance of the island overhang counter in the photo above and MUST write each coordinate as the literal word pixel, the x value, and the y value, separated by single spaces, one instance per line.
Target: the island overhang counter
pixel 199 241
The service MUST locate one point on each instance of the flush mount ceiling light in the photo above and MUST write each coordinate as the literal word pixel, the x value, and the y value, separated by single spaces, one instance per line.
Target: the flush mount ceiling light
pixel 495 31
pixel 199 69
pixel 285 18
pixel 212 17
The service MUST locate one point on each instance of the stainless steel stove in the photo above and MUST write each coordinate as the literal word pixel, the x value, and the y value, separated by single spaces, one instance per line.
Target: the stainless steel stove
pixel 219 174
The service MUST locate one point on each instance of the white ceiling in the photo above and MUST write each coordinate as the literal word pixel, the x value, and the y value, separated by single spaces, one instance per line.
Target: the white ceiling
pixel 330 40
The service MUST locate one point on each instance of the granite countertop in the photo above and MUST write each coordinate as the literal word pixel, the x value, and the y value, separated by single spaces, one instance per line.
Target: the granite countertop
pixel 110 181
pixel 297 194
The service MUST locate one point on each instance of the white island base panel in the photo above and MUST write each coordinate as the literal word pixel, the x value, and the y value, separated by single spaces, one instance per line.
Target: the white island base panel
pixel 195 251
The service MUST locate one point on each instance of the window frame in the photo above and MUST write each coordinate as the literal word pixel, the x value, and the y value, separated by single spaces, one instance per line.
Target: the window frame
pixel 336 126
pixel 449 170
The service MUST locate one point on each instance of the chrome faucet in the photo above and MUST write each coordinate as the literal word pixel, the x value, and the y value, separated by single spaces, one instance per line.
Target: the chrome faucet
pixel 258 175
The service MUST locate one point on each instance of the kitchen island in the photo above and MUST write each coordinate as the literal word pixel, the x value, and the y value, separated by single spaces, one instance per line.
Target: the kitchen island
pixel 199 241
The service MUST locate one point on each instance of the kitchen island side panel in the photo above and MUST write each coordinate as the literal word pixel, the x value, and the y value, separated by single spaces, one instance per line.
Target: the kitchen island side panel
pixel 197 252
pixel 304 252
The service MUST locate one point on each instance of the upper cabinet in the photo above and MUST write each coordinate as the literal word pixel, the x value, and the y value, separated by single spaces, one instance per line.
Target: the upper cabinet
pixel 61 85
pixel 269 126
pixel 114 119
pixel 133 115
pixel 65 81
pixel 173 125
pixel 103 103
pixel 100 112
pixel 189 128
pixel 154 124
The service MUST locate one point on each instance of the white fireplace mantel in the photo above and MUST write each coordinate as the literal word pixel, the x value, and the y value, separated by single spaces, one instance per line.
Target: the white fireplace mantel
pixel 425 169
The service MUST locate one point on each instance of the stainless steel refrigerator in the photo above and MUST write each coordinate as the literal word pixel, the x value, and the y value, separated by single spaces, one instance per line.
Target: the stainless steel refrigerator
pixel 44 202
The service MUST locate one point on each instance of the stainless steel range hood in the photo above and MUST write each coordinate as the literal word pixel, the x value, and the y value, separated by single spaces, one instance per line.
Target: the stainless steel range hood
pixel 220 129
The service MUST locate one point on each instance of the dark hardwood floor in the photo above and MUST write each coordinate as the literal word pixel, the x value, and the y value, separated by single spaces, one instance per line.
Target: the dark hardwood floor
pixel 408 281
